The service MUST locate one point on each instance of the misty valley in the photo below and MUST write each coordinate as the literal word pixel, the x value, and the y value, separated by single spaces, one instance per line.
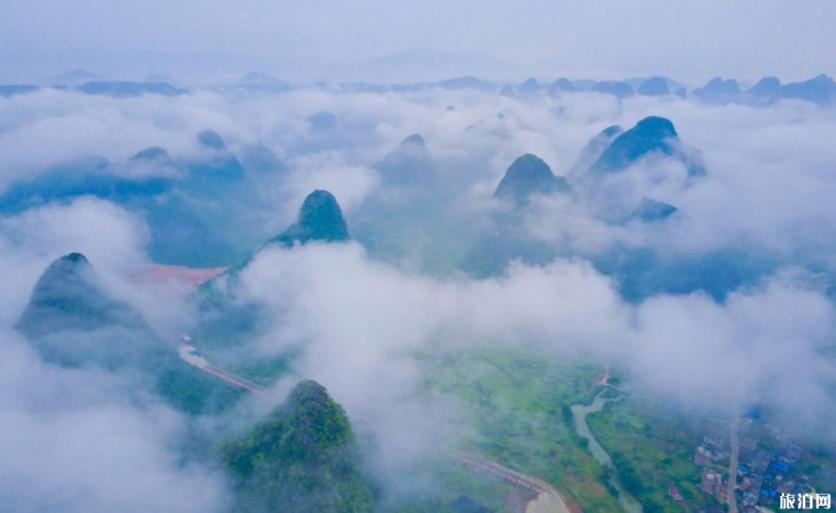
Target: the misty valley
pixel 456 296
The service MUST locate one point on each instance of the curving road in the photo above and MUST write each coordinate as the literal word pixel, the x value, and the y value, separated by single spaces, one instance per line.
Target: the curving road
pixel 548 500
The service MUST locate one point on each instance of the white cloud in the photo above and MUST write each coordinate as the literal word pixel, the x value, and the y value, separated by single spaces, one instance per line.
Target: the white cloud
pixel 359 324
pixel 81 441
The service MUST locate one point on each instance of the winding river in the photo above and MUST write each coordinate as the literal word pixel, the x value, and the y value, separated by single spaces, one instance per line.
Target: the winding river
pixel 579 412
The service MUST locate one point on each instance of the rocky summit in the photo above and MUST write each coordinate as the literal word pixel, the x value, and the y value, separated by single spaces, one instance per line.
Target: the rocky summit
pixel 320 219
pixel 652 134
pixel 68 298
pixel 528 175
pixel 301 458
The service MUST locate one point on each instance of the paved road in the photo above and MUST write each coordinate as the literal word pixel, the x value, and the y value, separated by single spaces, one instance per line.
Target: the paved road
pixel 731 498
pixel 189 354
pixel 548 499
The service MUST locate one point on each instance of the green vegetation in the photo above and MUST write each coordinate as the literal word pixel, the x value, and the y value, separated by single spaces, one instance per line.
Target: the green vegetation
pixel 652 449
pixel 302 458
pixel 192 391
pixel 443 483
pixel 320 218
pixel 263 371
pixel 73 322
pixel 514 400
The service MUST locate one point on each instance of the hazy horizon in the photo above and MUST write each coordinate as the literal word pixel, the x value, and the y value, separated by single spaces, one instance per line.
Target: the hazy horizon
pixel 374 40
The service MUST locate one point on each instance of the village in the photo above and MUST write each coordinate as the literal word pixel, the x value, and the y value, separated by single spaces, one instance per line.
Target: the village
pixel 764 474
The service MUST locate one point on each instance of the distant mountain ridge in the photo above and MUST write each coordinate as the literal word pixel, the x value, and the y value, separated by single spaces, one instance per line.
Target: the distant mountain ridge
pixel 124 89
pixel 819 89
pixel 718 91
pixel 410 164
pixel 195 204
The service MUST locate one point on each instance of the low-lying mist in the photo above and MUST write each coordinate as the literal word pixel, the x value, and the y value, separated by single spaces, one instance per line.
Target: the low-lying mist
pixel 725 304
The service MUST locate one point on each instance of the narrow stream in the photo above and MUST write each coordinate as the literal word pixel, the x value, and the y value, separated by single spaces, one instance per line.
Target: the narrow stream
pixel 579 412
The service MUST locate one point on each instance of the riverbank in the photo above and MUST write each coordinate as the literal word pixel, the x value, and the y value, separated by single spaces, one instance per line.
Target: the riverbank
pixel 579 413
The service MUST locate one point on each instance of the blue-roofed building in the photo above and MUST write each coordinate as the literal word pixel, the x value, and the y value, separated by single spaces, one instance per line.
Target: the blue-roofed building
pixel 779 466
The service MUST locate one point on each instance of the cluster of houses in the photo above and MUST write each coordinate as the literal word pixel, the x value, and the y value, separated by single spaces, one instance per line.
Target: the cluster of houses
pixel 709 456
pixel 763 474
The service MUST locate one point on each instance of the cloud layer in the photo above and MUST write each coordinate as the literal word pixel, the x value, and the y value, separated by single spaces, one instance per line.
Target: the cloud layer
pixel 360 315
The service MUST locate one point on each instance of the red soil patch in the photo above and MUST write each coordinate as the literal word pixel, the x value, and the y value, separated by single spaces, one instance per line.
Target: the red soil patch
pixel 572 505
pixel 193 276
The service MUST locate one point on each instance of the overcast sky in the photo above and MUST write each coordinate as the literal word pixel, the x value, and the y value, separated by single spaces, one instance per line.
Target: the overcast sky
pixel 317 39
